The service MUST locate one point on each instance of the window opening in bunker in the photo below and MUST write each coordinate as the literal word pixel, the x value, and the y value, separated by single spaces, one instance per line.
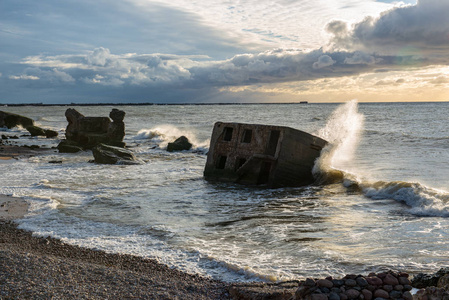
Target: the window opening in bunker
pixel 247 136
pixel 273 142
pixel 228 134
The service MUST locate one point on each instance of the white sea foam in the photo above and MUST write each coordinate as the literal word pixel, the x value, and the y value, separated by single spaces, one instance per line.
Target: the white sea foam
pixel 422 200
pixel 164 134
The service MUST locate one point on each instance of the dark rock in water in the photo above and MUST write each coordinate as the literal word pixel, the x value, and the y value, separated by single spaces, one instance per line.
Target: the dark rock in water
pixel 11 120
pixel 105 154
pixel 37 131
pixel 424 280
pixel 87 132
pixel 4 137
pixel 180 144
pixel 66 146
pixel 55 162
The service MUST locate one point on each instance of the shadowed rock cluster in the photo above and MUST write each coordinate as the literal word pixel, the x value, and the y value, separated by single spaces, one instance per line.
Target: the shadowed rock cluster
pixel 10 120
pixel 87 132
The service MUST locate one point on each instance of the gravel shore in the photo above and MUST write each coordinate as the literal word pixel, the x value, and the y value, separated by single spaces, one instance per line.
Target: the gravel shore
pixel 46 268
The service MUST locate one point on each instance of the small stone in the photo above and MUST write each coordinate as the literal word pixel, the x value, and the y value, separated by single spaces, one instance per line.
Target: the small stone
pixel 398 287
pixel 352 294
pixel 334 296
pixel 350 276
pixel 407 295
pixel 325 283
pixel 388 287
pixel 361 281
pixel 404 281
pixel 408 287
pixel 390 280
pixel 309 282
pixel 338 282
pixel 324 290
pixel 382 275
pixel 403 274
pixel 350 283
pixel 367 294
pixel 395 294
pixel 380 293
pixel 374 280
pixel 343 296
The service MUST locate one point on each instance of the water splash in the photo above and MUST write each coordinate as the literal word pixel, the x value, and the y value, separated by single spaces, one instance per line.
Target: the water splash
pixel 164 134
pixel 342 131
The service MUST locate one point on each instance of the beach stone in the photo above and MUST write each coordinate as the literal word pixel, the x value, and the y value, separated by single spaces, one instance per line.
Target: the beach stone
pixel 338 282
pixel 334 296
pixel 350 283
pixel 407 295
pixel 374 280
pixel 404 281
pixel 387 287
pixel 309 282
pixel 180 144
pixel 361 281
pixel 325 283
pixel 368 295
pixel 395 294
pixel 352 294
pixel 380 293
pixel 398 287
pixel 105 154
pixel 343 296
pixel 390 280
pixel 382 275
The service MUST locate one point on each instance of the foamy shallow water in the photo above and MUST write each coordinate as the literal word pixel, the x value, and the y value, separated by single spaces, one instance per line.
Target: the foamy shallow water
pixel 390 213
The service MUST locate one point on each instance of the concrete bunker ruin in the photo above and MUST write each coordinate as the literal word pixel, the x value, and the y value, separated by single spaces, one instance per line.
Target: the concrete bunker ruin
pixel 275 156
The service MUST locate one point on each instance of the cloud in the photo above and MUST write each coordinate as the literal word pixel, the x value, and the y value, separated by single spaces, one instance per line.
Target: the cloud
pixel 323 61
pixel 415 29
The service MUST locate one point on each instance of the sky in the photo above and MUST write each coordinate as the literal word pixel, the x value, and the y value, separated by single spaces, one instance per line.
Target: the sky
pixel 191 51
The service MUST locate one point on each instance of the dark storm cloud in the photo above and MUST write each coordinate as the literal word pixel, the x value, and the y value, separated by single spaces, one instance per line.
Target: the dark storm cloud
pixel 422 29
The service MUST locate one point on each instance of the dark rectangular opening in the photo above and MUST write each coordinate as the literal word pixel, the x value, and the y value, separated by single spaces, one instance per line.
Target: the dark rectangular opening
pixel 273 142
pixel 264 174
pixel 247 136
pixel 240 162
pixel 228 134
pixel 221 163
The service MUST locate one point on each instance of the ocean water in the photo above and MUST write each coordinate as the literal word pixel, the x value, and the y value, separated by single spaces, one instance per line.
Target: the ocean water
pixel 391 211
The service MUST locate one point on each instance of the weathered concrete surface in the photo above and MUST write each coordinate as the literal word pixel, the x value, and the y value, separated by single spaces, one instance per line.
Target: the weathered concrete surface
pixel 87 132
pixel 252 154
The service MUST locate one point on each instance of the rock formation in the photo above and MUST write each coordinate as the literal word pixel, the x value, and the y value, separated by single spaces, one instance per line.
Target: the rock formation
pixel 11 120
pixel 105 154
pixel 87 132
pixel 180 144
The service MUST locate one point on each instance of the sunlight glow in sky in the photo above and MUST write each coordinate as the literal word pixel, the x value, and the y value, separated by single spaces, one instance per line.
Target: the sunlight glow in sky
pixel 226 51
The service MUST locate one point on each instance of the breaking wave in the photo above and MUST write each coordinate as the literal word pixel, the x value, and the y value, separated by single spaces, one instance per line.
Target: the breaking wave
pixel 343 131
pixel 164 134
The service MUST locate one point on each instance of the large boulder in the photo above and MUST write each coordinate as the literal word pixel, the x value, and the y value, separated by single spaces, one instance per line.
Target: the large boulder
pixel 11 120
pixel 87 132
pixel 180 144
pixel 106 154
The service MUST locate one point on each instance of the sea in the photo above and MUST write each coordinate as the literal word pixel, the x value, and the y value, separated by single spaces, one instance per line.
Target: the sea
pixel 389 212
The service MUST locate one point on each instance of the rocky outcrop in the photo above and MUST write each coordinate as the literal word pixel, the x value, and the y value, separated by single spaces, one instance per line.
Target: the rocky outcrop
pixel 106 154
pixel 11 120
pixel 37 131
pixel 66 146
pixel 180 144
pixel 87 132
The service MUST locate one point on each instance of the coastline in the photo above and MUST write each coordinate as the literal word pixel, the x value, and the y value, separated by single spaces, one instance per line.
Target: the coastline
pixel 47 268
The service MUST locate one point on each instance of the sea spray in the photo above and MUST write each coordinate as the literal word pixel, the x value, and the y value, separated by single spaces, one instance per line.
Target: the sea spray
pixel 342 131
pixel 164 134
